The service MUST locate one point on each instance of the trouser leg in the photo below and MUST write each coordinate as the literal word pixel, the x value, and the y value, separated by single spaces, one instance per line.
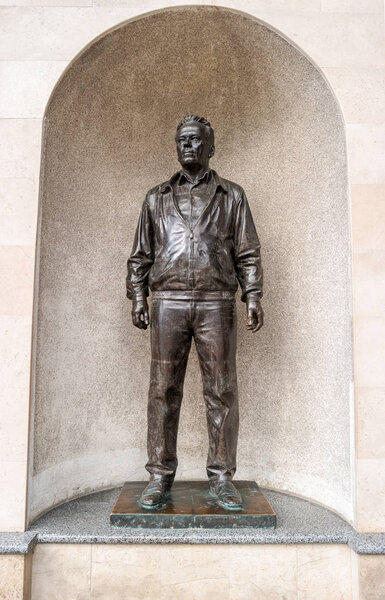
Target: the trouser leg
pixel 214 328
pixel 170 345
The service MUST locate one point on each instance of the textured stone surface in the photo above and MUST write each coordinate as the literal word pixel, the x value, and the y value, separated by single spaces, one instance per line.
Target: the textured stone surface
pixel 280 135
pixel 86 520
pixel 17 543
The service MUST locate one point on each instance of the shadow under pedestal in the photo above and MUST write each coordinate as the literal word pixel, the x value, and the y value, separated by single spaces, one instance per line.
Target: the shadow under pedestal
pixel 191 506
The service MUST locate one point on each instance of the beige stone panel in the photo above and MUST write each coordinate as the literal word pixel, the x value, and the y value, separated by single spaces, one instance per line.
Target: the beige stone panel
pixel 61 2
pixel 371 577
pixel 279 5
pixel 26 87
pixel 369 283
pixel 366 149
pixel 361 92
pixel 16 3
pixel 61 572
pixel 15 346
pixel 18 211
pixel 12 577
pixel 355 575
pixel 17 269
pixel 27 576
pixel 324 572
pixel 263 572
pixel 150 5
pixel 368 216
pixel 129 571
pixel 14 410
pixel 351 39
pixel 13 477
pixel 20 143
pixel 370 422
pixel 369 351
pixel 332 39
pixel 353 6
pixel 196 572
pixel 57 33
pixel 370 494
pixel 46 2
pixel 242 5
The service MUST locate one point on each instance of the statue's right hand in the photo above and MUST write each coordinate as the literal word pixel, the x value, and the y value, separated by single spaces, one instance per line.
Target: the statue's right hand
pixel 140 316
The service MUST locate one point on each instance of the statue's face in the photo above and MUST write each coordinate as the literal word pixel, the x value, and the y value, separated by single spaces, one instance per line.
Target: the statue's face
pixel 193 145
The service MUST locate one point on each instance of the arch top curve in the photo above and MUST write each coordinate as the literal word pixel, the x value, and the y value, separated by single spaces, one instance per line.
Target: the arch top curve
pixel 192 8
pixel 109 137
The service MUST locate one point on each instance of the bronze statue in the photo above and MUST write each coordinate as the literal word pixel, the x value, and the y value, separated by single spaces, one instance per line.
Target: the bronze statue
pixel 195 242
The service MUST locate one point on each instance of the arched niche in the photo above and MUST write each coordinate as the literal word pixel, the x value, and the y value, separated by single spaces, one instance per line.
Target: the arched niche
pixel 108 137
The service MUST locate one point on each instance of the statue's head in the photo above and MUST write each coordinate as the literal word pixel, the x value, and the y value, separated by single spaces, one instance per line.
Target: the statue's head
pixel 194 142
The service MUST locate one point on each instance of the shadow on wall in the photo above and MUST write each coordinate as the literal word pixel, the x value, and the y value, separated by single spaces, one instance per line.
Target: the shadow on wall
pixel 109 132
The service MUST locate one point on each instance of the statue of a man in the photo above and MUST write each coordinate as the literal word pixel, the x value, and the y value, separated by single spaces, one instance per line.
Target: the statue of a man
pixel 195 241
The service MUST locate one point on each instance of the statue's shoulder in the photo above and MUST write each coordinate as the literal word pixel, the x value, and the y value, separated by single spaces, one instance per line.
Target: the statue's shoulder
pixel 155 192
pixel 235 189
pixel 152 194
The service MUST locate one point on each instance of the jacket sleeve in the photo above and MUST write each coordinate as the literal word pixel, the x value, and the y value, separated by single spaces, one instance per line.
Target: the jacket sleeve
pixel 247 251
pixel 142 255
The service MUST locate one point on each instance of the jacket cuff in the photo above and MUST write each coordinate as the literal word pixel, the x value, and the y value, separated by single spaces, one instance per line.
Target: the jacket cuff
pixel 137 294
pixel 253 294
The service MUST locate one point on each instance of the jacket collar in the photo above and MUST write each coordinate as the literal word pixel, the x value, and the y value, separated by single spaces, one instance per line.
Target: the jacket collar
pixel 219 182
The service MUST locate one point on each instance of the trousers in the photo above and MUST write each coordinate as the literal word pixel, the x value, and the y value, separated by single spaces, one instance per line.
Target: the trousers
pixel 211 320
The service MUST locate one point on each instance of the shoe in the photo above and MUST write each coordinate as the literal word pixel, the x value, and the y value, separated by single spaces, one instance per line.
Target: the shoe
pixel 226 495
pixel 155 494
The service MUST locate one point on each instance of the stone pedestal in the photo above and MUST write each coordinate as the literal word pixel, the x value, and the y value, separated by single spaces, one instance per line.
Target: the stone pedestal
pixel 191 506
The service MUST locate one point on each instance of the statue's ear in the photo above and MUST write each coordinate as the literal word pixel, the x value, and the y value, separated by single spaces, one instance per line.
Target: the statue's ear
pixel 212 151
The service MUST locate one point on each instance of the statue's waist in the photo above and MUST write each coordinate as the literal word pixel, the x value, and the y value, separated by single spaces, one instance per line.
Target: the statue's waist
pixel 193 295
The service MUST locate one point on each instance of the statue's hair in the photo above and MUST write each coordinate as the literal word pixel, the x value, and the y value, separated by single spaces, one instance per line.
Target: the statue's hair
pixel 196 119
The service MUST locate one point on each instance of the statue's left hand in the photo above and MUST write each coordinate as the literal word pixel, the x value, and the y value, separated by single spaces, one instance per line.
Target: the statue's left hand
pixel 254 314
pixel 140 316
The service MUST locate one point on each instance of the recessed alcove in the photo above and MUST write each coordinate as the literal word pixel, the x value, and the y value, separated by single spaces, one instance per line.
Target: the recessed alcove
pixel 108 138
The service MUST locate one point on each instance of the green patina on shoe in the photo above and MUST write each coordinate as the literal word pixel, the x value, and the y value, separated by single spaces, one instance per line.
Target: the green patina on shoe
pixel 226 495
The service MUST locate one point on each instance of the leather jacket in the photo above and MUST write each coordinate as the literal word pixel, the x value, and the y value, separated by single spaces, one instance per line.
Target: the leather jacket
pixel 220 250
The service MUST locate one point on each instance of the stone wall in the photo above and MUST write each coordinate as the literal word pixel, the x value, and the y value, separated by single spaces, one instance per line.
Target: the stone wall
pixel 316 571
pixel 108 137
